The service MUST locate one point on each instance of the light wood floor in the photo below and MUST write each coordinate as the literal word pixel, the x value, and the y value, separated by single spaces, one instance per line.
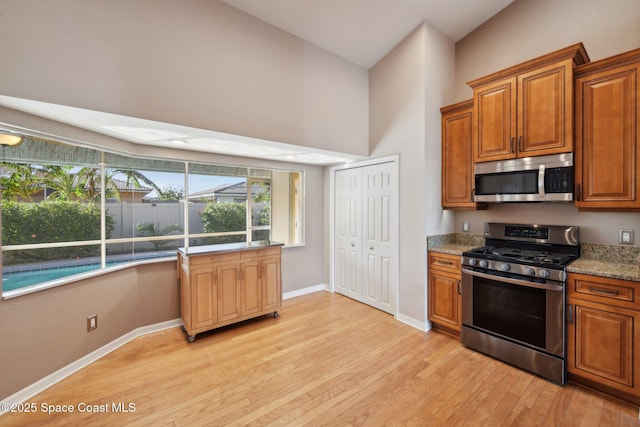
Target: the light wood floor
pixel 326 361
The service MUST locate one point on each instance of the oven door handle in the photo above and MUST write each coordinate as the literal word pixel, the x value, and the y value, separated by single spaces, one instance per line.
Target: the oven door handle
pixel 513 281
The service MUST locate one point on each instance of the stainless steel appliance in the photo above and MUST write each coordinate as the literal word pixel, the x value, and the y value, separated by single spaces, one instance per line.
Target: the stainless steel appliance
pixel 513 295
pixel 529 179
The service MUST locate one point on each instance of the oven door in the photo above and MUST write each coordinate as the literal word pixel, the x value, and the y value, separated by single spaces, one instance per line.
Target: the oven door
pixel 509 307
pixel 515 320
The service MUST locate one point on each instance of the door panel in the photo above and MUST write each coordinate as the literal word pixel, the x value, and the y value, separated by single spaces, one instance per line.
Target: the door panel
pixel 348 232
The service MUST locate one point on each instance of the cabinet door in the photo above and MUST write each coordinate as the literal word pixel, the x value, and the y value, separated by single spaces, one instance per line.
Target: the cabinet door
pixel 444 300
pixel 601 345
pixel 204 310
pixel 494 110
pixel 607 151
pixel 545 106
pixel 457 156
pixel 250 289
pixel 228 291
pixel 271 284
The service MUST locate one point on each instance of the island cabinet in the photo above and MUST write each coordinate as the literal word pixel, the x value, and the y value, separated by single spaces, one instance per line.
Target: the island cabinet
pixel 526 110
pixel 607 154
pixel 224 284
pixel 444 283
pixel 457 157
pixel 603 331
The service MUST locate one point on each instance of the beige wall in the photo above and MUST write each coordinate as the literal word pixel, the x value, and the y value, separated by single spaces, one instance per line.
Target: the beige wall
pixel 406 90
pixel 530 28
pixel 198 63
pixel 45 331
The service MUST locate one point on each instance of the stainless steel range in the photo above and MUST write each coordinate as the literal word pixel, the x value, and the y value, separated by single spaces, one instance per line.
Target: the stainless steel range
pixel 513 295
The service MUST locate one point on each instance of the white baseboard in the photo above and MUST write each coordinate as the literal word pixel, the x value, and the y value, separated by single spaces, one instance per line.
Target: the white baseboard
pixel 413 322
pixel 46 382
pixel 309 290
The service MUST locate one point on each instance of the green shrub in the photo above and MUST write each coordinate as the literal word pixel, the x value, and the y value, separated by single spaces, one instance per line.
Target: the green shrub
pixel 51 222
pixel 220 217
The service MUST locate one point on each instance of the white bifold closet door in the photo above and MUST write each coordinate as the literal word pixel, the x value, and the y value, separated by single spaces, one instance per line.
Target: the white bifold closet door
pixel 365 222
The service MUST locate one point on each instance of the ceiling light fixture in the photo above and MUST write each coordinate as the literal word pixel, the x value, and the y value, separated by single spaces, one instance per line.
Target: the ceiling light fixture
pixel 10 138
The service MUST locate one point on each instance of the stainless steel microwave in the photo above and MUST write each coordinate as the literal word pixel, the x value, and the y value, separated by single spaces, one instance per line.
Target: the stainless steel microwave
pixel 528 179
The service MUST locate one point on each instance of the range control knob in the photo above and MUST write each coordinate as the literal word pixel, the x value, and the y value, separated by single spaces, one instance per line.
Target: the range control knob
pixel 505 267
pixel 544 273
pixel 473 261
pixel 484 263
pixel 529 271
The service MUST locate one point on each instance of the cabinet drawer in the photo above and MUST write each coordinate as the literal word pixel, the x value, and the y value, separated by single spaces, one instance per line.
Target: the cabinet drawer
pixel 260 253
pixel 445 262
pixel 621 293
pixel 211 258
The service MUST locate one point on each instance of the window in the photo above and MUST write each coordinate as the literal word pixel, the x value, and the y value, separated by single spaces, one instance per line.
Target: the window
pixel 69 210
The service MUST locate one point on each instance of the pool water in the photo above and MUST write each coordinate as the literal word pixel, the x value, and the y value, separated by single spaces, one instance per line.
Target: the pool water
pixel 27 278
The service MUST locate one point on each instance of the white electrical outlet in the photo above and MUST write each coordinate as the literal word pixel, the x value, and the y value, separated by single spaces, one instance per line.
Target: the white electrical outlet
pixel 625 237
pixel 465 226
pixel 92 322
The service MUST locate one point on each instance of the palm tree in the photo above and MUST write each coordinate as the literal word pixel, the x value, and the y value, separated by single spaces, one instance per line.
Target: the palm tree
pixel 91 180
pixel 21 183
pixel 64 184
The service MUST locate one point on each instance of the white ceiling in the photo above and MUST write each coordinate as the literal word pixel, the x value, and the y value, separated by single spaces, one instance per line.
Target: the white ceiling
pixel 361 31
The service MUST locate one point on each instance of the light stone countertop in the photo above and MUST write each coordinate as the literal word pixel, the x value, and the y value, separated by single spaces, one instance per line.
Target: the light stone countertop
pixel 614 261
pixel 454 243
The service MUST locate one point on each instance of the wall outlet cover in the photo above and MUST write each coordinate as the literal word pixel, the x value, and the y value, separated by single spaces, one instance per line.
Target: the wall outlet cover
pixel 625 237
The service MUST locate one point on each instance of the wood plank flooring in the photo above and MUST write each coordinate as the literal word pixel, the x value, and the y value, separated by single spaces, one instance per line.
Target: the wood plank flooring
pixel 326 361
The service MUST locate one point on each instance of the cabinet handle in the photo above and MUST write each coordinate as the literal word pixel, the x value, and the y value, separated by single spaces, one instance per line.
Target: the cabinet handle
pixel 603 291
pixel 459 287
pixel 520 143
pixel 511 144
pixel 570 314
pixel 578 195
pixel 447 263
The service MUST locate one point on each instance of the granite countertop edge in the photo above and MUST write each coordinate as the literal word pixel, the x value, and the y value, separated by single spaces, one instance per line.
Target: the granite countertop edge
pixel 605 268
pixel 612 261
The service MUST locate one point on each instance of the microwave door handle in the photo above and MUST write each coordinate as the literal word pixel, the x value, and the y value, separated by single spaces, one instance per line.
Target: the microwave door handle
pixel 541 192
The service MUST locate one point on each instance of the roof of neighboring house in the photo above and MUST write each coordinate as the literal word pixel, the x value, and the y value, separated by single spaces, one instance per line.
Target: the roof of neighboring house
pixel 125 186
pixel 239 188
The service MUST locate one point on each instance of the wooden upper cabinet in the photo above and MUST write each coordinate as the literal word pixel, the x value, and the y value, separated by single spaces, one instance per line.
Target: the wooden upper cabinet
pixel 495 121
pixel 607 155
pixel 457 156
pixel 526 110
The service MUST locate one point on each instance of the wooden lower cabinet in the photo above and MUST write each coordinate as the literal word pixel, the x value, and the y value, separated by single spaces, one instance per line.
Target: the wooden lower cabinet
pixel 220 289
pixel 444 291
pixel 602 332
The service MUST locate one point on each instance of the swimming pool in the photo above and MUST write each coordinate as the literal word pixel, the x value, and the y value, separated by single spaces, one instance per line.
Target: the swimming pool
pixel 21 279
pixel 16 277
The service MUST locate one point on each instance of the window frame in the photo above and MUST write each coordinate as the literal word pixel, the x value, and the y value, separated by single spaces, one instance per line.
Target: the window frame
pixel 104 241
